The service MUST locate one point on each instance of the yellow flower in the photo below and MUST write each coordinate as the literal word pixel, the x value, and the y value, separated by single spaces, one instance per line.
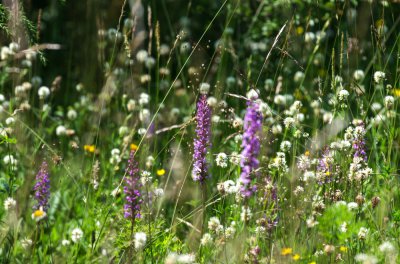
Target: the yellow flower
pixel 39 214
pixel 396 92
pixel 327 173
pixel 296 257
pixel 343 248
pixel 89 148
pixel 312 262
pixel 299 30
pixel 286 251
pixel 307 153
pixel 134 147
pixel 160 172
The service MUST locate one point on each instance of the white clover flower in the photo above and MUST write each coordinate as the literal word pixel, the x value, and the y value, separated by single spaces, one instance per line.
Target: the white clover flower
pixel 289 122
pixel 376 106
pixel 246 214
pixel 235 158
pixel 204 88
pixel 6 52
pixel 185 47
pixel 43 92
pixel 149 62
pixel 366 259
pixel 379 76
pixel 213 223
pixel 389 101
pixel 10 121
pixel 285 146
pixel 358 75
pixel 252 95
pixel 72 114
pixel 222 160
pixel 362 233
pixel 343 227
pixel 237 122
pixel 299 190
pixel 61 130
pixel 387 247
pixel 131 105
pixel 327 117
pixel 164 49
pixel 206 240
pixel 14 47
pixel 238 138
pixel 115 152
pixel 230 187
pixel 158 192
pixel 65 242
pixel 212 101
pixel 144 99
pixel 343 95
pixel 352 205
pixel 299 76
pixel 215 118
pixel 142 55
pixel 308 175
pixel 144 115
pixel 186 259
pixel 276 129
pixel 311 222
pixel 280 99
pixel 140 240
pixel 309 37
pixel 9 159
pixel 142 131
pixel 76 234
pixel 9 204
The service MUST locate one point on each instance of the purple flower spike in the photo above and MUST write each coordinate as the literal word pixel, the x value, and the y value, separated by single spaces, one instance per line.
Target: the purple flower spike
pixel 359 143
pixel 131 189
pixel 42 188
pixel 251 147
pixel 202 140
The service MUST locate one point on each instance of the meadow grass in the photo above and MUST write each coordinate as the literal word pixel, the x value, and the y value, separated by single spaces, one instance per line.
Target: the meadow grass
pixel 224 131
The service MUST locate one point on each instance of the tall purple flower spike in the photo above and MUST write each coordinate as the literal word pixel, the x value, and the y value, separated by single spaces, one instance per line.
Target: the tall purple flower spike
pixel 202 140
pixel 42 188
pixel 132 189
pixel 251 147
pixel 359 145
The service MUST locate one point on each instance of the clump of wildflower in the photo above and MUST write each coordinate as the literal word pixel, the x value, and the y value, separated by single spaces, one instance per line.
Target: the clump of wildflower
pixel 42 188
pixel 131 189
pixel 202 140
pixel 251 147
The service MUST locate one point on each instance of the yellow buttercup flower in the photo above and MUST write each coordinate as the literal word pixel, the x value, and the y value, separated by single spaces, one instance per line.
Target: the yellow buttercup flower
pixel 160 172
pixel 396 92
pixel 89 148
pixel 307 153
pixel 343 248
pixel 296 257
pixel 286 251
pixel 312 262
pixel 134 147
pixel 299 30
